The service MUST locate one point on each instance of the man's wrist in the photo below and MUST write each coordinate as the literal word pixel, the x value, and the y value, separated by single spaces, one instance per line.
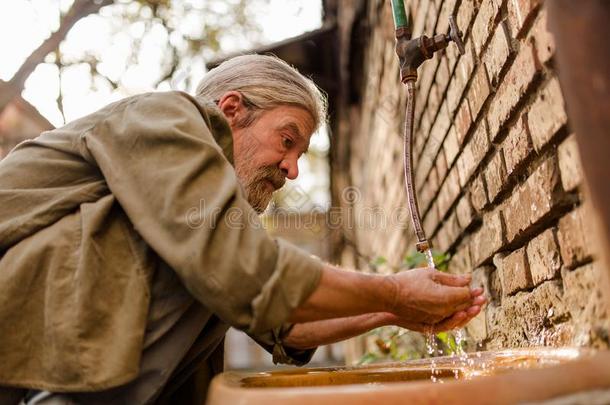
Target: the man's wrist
pixel 381 292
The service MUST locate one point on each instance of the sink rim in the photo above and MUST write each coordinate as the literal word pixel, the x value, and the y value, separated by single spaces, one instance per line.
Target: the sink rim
pixel 445 364
pixel 524 385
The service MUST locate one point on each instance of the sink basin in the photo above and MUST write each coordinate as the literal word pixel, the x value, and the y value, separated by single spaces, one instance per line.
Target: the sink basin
pixel 509 376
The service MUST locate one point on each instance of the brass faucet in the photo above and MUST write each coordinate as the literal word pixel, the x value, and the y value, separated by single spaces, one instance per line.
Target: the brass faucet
pixel 413 52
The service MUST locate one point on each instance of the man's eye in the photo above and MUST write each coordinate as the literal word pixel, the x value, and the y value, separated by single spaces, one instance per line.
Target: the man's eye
pixel 287 143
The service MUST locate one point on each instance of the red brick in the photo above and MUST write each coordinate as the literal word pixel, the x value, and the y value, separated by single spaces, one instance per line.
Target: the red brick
pixel 419 12
pixel 497 53
pixel 460 262
pixel 495 287
pixel 426 194
pixel 442 75
pixel 426 78
pixel 464 212
pixel 435 140
pixel 447 9
pixel 453 55
pixel 434 100
pixel 459 79
pixel 520 13
pixel 441 165
pixel 454 93
pixel 431 19
pixel 448 233
pixel 547 115
pixel 514 85
pixel 483 24
pixel 473 153
pixel 478 194
pixel 463 121
pixel 533 200
pixel 479 91
pixel 544 257
pixel 431 220
pixel 587 308
pixel 488 239
pixel 451 146
pixel 514 272
pixel 570 166
pixel 545 190
pixel 464 15
pixel 466 65
pixel 495 175
pixel 448 192
pixel 422 131
pixel 543 39
pixel 517 146
pixel 575 239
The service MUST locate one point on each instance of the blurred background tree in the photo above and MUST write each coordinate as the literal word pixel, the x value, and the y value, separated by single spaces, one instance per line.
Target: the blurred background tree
pixel 160 39
pixel 71 57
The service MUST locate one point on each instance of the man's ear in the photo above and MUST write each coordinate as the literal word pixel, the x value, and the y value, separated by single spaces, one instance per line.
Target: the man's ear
pixel 232 106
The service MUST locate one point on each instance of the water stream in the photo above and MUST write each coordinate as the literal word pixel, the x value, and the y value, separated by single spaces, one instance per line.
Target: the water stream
pixel 432 345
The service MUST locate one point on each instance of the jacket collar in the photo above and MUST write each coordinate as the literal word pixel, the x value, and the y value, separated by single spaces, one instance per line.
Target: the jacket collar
pixel 219 126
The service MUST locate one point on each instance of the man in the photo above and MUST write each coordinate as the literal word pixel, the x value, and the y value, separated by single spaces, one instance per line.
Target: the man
pixel 130 243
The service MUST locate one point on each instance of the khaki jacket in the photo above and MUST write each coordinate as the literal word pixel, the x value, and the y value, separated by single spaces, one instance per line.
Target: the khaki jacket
pixel 87 213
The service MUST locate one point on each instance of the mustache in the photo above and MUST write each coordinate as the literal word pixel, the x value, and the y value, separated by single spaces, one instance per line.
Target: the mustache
pixel 271 173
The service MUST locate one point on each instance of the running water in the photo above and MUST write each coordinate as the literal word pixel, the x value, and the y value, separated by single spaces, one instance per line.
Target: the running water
pixel 463 361
pixel 432 349
pixel 431 344
pixel 429 258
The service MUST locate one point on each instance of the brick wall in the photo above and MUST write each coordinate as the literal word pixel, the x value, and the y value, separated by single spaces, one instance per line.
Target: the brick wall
pixel 497 169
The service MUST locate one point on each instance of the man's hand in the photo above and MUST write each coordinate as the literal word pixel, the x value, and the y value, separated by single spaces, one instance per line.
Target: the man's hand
pixel 457 320
pixel 421 296
pixel 428 296
pixel 312 334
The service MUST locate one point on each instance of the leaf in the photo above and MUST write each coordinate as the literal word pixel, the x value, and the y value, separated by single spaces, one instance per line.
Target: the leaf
pixel 368 358
pixel 379 261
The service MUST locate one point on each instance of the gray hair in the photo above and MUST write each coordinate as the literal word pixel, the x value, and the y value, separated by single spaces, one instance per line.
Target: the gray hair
pixel 265 82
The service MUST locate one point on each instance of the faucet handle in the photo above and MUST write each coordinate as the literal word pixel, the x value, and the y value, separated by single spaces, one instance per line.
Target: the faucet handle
pixel 455 35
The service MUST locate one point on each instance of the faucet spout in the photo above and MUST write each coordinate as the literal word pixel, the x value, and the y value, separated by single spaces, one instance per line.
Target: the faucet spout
pixel 412 52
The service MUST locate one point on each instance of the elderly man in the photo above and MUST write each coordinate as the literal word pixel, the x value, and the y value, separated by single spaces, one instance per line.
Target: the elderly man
pixel 129 243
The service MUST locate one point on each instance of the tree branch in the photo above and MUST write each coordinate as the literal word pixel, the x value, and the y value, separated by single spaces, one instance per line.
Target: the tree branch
pixel 79 10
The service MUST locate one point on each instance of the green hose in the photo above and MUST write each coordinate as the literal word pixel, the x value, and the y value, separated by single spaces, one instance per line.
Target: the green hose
pixel 400 17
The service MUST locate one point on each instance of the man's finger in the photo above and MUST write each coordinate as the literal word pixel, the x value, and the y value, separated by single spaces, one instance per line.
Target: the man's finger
pixel 473 311
pixel 451 280
pixel 451 323
pixel 480 300
pixel 458 297
pixel 475 292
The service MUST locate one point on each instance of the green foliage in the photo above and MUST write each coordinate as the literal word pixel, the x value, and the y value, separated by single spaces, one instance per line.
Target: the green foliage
pixel 416 259
pixel 391 343
pixel 449 344
pixel 412 260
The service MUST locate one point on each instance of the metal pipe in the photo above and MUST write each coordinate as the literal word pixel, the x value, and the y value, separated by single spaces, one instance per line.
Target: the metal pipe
pixel 422 242
pixel 412 53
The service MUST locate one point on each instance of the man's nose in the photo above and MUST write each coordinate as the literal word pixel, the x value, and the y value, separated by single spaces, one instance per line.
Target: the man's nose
pixel 290 168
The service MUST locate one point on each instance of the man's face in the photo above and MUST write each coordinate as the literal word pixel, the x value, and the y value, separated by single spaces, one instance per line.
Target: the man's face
pixel 266 152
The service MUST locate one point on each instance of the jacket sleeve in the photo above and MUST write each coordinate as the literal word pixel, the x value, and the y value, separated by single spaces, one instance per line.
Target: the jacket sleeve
pixel 163 165
pixel 272 341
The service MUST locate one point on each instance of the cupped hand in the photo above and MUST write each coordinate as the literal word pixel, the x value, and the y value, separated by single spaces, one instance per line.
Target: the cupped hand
pixel 455 321
pixel 429 296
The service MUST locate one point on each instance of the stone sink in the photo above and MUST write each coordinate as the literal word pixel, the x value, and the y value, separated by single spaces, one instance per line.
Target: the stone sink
pixel 498 377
